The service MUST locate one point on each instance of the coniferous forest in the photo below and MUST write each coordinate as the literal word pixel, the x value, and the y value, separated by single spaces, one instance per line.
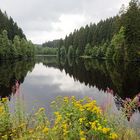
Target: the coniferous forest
pixel 85 86
pixel 116 38
pixel 13 42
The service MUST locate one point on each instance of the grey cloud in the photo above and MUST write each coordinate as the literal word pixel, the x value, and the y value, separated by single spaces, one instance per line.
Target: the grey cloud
pixel 39 15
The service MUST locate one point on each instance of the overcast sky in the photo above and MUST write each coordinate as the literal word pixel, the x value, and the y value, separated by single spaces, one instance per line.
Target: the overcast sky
pixel 44 20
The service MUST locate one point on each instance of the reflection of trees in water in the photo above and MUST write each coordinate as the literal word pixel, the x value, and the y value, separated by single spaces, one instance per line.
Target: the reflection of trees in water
pixel 10 71
pixel 125 78
pixel 121 78
pixel 47 60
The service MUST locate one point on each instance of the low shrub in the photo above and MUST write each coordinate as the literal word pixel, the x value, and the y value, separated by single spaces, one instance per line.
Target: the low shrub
pixel 73 120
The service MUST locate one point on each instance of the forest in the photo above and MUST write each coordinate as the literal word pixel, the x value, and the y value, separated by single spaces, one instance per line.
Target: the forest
pixel 45 50
pixel 116 38
pixel 13 42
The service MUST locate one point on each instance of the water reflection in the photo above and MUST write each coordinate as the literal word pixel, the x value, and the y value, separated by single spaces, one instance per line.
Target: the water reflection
pixel 39 82
pixel 12 74
pixel 121 80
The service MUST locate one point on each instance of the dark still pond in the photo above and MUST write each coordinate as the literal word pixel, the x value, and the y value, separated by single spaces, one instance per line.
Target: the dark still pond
pixel 38 82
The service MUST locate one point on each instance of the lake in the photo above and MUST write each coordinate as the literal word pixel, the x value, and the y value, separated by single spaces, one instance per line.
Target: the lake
pixel 38 82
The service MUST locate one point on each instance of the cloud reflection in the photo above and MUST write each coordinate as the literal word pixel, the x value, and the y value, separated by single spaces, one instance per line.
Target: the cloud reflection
pixel 47 83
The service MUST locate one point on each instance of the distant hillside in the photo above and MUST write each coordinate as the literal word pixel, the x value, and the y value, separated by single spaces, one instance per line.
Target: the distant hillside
pixel 51 44
pixel 7 23
pixel 116 38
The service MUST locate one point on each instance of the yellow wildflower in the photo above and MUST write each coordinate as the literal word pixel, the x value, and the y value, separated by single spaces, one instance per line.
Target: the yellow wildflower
pixel 4 99
pixel 113 136
pixel 100 128
pixel 45 130
pixel 78 105
pixel 93 125
pixel 96 110
pixel 82 119
pixel 82 138
pixel 56 113
pixel 1 109
pixel 65 128
pixel 82 133
pixel 89 106
pixel 58 117
pixel 66 99
pixel 105 130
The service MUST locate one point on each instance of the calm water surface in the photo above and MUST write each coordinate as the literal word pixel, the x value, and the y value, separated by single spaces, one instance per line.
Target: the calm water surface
pixel 43 79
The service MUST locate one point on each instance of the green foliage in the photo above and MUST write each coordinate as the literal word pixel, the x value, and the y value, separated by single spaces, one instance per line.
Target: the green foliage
pixel 110 52
pixel 80 119
pixel 5 44
pixel 131 23
pixel 16 45
pixel 7 23
pixel 118 42
pixel 78 52
pixel 132 53
pixel 13 43
pixel 73 120
pixel 94 35
pixel 62 52
pixel 88 50
pixel 45 51
pixel 53 44
pixel 115 38
pixel 71 52
pixel 119 38
pixel 20 48
pixel 94 52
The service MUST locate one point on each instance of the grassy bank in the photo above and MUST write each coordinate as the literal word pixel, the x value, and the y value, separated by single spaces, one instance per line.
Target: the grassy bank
pixel 73 120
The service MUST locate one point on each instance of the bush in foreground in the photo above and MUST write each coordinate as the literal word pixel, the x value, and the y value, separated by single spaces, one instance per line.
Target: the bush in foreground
pixel 73 120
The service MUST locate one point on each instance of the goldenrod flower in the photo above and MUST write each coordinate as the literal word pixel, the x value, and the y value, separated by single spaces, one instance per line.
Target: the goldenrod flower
pixel 82 133
pixel 93 125
pixel 4 99
pixel 66 99
pixel 82 138
pixel 58 117
pixel 113 136
pixel 105 130
pixel 82 119
pixel 1 109
pixel 45 130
